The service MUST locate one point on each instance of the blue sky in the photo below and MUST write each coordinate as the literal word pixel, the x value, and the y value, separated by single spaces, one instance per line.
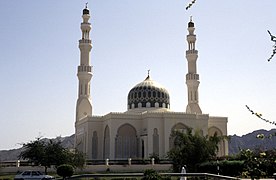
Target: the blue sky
pixel 39 58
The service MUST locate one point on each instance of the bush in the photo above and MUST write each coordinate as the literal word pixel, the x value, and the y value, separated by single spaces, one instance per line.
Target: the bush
pixel 227 168
pixel 65 170
pixel 151 174
pixel 156 158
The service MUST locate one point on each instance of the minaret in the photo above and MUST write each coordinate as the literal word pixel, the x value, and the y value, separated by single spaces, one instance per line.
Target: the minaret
pixel 84 103
pixel 192 78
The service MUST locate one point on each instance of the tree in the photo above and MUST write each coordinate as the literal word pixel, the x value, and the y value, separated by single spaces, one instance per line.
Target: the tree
pixel 77 158
pixel 192 149
pixel 55 154
pixel 34 151
pixel 48 153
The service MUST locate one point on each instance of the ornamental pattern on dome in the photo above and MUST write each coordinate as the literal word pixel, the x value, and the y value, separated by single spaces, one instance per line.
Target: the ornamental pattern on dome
pixel 148 94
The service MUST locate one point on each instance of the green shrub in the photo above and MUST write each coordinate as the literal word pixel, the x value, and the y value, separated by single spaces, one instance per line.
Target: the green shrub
pixel 151 174
pixel 156 158
pixel 227 168
pixel 65 170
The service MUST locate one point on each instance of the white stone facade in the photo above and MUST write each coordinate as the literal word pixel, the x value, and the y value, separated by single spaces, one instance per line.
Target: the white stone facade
pixel 145 128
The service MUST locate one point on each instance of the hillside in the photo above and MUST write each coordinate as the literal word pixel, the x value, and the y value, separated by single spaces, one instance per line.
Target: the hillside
pixel 248 141
pixel 10 155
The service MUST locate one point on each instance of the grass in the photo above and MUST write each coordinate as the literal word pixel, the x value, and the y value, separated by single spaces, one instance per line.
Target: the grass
pixel 6 177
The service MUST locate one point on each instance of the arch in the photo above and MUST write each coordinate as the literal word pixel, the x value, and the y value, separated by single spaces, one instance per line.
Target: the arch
pixel 177 127
pixel 212 131
pixel 180 127
pixel 106 148
pixel 95 145
pixel 126 142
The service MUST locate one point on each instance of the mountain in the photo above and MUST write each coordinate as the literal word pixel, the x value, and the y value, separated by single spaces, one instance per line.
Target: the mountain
pixel 248 141
pixel 12 155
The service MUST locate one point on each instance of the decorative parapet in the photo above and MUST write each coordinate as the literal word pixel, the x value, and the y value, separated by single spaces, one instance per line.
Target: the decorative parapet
pixel 84 68
pixel 85 41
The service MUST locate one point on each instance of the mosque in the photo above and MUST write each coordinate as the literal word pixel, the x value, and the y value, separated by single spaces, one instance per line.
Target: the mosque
pixel 145 128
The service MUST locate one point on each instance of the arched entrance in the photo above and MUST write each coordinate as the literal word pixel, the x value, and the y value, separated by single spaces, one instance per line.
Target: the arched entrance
pixel 126 143
pixel 177 127
pixel 221 146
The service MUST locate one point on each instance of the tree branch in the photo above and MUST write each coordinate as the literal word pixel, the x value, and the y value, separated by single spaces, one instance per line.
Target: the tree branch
pixel 190 4
pixel 259 115
pixel 273 39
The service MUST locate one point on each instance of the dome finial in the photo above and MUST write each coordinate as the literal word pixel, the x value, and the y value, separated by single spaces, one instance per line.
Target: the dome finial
pixel 191 23
pixel 85 10
pixel 148 78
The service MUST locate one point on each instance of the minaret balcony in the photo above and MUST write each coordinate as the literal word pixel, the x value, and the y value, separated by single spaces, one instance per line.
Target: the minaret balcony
pixel 192 76
pixel 193 51
pixel 85 26
pixel 85 41
pixel 84 69
pixel 191 38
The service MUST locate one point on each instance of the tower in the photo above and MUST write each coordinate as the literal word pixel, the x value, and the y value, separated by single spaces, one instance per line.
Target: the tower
pixel 84 103
pixel 192 78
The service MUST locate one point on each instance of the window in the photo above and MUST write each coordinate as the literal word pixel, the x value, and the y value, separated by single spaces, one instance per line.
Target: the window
pixel 35 173
pixel 155 138
pixel 106 143
pixel 144 94
pixel 27 173
pixel 94 145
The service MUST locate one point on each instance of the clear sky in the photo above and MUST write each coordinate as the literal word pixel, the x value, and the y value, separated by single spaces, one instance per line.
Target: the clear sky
pixel 39 56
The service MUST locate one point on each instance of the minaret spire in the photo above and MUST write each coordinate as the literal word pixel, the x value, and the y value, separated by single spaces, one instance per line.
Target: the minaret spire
pixel 192 78
pixel 84 104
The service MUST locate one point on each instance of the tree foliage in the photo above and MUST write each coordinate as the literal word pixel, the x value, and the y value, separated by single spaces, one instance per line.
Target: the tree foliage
pixel 192 149
pixel 77 159
pixel 257 163
pixel 33 151
pixel 50 153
